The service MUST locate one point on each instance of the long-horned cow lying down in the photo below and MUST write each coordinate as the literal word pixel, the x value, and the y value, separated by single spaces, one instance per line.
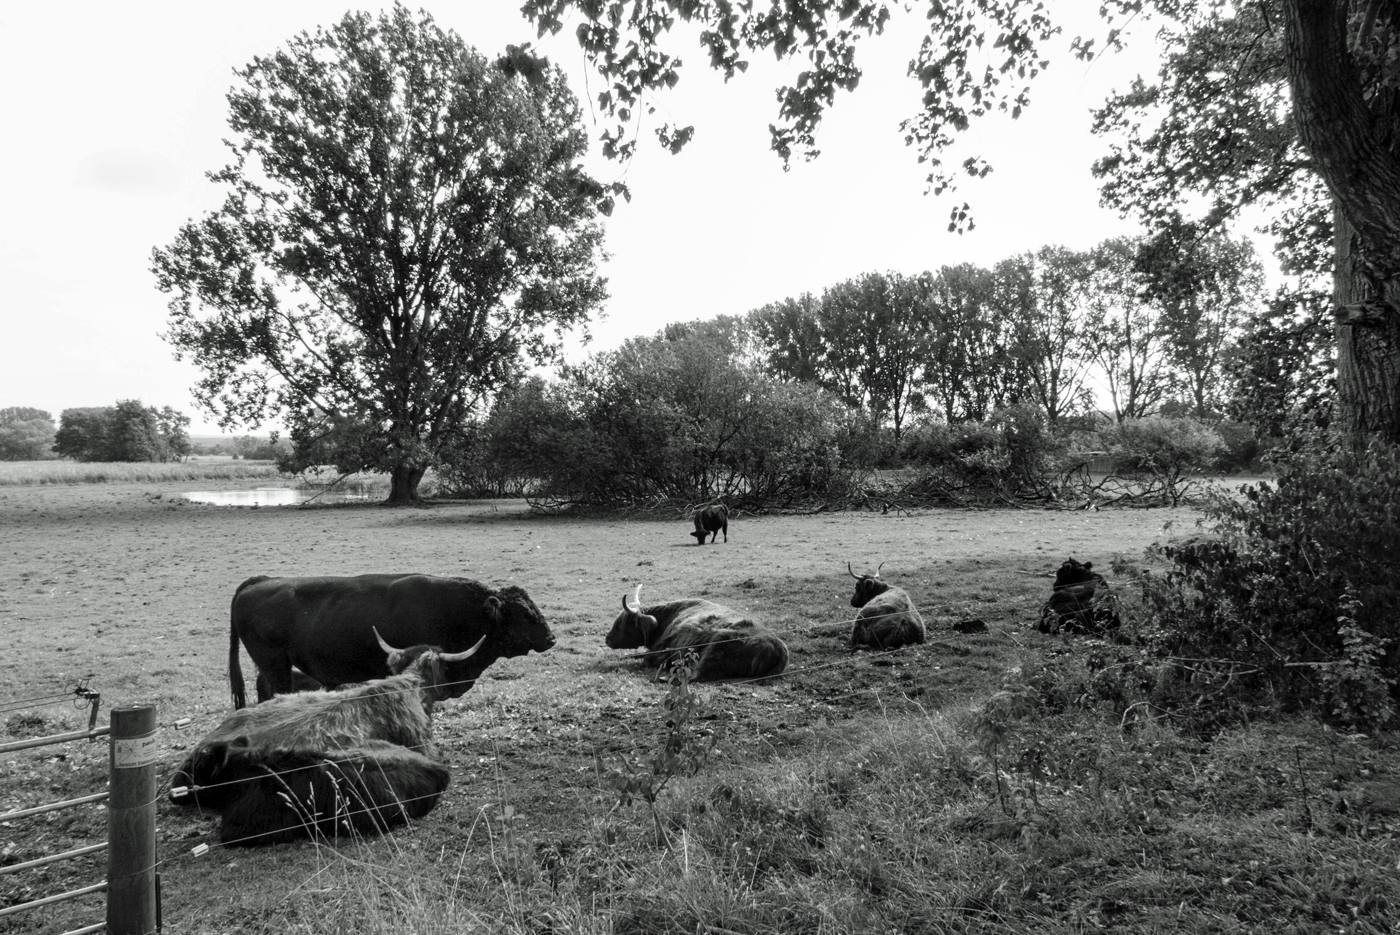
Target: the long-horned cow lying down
pixel 325 627
pixel 279 794
pixel 1080 601
pixel 711 521
pixel 395 710
pixel 729 645
pixel 887 618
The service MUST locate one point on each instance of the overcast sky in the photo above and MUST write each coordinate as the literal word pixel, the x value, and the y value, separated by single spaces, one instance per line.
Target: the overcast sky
pixel 113 112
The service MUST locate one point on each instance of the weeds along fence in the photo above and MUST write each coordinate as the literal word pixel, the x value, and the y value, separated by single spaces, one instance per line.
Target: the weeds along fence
pixel 132 883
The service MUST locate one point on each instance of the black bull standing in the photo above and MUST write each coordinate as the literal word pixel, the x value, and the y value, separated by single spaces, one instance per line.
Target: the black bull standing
pixel 325 626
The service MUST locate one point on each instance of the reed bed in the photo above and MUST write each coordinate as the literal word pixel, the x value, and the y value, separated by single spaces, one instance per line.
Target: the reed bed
pixel 37 473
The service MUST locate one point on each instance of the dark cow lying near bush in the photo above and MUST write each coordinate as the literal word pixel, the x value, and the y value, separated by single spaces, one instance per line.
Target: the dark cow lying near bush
pixel 279 794
pixel 395 710
pixel 711 521
pixel 324 626
pixel 729 645
pixel 1080 602
pixel 887 618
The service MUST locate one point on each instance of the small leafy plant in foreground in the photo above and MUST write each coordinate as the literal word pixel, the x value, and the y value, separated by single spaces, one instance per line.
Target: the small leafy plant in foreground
pixel 683 751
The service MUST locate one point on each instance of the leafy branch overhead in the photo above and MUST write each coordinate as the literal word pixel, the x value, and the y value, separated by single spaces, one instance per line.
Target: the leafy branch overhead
pixel 977 58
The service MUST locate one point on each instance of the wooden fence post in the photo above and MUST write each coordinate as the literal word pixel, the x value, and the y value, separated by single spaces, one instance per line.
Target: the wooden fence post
pixel 131 822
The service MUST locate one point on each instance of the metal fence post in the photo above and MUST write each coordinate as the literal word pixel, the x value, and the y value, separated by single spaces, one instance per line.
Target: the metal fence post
pixel 131 822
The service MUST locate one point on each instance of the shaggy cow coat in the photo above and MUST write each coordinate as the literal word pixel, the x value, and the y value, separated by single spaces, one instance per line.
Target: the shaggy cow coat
pixel 887 618
pixel 270 796
pixel 730 646
pixel 325 626
pixel 395 710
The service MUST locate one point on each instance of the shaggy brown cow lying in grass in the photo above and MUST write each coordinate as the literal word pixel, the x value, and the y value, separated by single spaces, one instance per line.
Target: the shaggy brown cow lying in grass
pixel 729 645
pixel 887 618
pixel 270 796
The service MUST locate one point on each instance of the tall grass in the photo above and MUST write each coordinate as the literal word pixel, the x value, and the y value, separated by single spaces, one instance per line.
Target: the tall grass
pixel 38 473
pixel 1011 816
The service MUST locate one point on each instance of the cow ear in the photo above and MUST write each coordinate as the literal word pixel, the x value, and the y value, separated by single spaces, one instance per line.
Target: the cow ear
pixel 647 624
pixel 492 607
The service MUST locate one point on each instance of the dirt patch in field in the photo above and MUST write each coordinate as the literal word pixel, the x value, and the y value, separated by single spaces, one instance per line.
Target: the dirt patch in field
pixel 129 586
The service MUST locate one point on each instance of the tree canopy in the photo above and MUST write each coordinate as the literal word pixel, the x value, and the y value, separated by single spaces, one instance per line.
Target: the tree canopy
pixel 26 434
pixel 404 224
pixel 1217 124
pixel 127 431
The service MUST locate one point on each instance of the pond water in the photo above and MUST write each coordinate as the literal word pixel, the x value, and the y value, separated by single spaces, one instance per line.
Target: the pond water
pixel 276 496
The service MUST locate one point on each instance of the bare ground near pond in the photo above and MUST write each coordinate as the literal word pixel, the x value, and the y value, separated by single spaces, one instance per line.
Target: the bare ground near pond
pixel 129 586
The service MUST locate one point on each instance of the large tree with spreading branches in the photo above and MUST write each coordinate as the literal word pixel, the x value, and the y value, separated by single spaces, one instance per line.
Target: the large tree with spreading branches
pixel 1258 95
pixel 404 223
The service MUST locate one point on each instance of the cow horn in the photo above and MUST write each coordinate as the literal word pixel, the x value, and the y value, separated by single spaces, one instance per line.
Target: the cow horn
pixel 458 657
pixel 877 570
pixel 383 645
pixel 636 598
pixel 853 574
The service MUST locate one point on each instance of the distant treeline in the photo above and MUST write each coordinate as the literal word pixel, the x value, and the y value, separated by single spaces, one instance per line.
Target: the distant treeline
pixel 985 379
pixel 128 431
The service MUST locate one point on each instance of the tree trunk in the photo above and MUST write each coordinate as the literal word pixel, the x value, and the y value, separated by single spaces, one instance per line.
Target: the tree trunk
pixel 1368 346
pixel 403 485
pixel 1351 149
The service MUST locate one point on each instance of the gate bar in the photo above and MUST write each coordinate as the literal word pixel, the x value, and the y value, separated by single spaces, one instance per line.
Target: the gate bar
pixel 54 806
pixel 39 862
pixel 71 894
pixel 56 738
pixel 87 930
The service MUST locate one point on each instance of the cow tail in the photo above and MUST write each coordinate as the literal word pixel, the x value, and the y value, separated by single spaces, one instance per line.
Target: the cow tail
pixel 235 669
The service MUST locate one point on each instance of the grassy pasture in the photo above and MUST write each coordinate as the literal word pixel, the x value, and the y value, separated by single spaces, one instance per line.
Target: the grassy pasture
pixel 854 794
pixel 39 473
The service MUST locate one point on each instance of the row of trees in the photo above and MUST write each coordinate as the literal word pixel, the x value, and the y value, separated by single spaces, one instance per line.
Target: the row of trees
pixel 128 431
pixel 693 413
pixel 1150 321
pixel 390 318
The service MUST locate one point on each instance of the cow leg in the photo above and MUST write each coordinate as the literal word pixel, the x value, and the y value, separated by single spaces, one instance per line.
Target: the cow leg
pixel 275 679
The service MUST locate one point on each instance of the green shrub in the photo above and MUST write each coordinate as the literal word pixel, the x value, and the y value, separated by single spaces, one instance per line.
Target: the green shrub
pixel 1009 454
pixel 677 417
pixel 1169 453
pixel 1294 601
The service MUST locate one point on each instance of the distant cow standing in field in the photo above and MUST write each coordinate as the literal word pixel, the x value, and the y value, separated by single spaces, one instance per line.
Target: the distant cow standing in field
pixel 887 618
pixel 730 646
pixel 271 796
pixel 324 627
pixel 1080 601
pixel 711 521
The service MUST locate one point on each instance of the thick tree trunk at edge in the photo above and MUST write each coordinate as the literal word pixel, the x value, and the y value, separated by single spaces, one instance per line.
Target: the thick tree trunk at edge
pixel 1351 151
pixel 1368 349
